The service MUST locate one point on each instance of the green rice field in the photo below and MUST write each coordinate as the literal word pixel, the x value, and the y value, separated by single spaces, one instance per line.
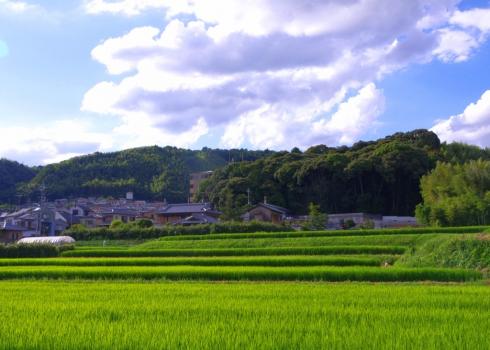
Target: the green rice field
pixel 115 315
pixel 348 290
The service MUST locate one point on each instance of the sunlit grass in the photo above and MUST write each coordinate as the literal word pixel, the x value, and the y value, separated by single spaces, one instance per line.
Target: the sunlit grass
pixel 109 315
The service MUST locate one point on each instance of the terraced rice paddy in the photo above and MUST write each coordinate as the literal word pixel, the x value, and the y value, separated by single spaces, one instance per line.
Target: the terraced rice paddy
pixel 249 291
pixel 285 315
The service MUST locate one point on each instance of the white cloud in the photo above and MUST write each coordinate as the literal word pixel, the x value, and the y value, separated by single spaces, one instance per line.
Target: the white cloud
pixel 471 126
pixel 271 73
pixel 133 7
pixel 51 143
pixel 273 126
pixel 455 45
pixel 475 18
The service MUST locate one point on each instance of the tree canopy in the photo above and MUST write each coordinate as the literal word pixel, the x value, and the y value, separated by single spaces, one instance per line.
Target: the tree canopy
pixel 456 194
pixel 380 176
pixel 152 173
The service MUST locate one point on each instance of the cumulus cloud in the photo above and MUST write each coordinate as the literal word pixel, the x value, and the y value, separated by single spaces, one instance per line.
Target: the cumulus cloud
pixel 133 7
pixel 472 126
pixel 455 45
pixel 478 18
pixel 51 143
pixel 270 73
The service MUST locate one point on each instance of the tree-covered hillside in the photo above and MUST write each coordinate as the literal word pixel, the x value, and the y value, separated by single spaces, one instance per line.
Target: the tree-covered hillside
pixel 379 177
pixel 11 175
pixel 152 173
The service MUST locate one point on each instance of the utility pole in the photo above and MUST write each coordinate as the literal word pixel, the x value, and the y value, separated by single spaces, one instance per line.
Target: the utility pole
pixel 248 196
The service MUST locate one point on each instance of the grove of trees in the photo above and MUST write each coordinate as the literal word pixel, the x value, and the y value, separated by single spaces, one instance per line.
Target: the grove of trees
pixel 456 195
pixel 380 176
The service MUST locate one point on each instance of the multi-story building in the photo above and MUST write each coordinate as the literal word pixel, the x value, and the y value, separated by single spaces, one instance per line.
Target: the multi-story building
pixel 195 180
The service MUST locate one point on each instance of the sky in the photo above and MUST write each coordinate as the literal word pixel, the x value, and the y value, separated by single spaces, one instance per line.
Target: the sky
pixel 80 76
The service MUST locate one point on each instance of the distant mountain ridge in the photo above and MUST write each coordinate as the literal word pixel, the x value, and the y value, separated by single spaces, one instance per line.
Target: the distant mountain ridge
pixel 11 175
pixel 378 176
pixel 152 173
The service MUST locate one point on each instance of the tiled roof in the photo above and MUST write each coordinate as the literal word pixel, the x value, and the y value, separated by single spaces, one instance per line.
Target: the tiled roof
pixel 120 211
pixel 186 208
pixel 197 219
pixel 275 208
pixel 9 227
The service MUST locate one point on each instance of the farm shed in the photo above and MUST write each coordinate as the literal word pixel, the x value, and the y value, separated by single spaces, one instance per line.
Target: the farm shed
pixel 56 240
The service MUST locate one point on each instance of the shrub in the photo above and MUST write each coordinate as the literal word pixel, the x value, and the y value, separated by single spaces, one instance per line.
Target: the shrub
pixel 119 230
pixel 143 223
pixel 31 250
pixel 117 224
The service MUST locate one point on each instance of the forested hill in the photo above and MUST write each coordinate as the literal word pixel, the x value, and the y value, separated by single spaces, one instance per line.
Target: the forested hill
pixel 151 173
pixel 377 177
pixel 11 174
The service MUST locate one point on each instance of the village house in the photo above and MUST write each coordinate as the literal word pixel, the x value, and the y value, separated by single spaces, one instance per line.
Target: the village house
pixel 10 233
pixel 105 218
pixel 197 219
pixel 266 212
pixel 175 213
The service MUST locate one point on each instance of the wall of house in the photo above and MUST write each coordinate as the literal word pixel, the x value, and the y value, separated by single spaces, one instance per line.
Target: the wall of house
pixel 264 214
pixel 10 236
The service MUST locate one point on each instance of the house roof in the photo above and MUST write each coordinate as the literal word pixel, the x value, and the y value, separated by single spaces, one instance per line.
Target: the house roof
pixel 273 207
pixel 9 227
pixel 186 208
pixel 120 211
pixel 197 219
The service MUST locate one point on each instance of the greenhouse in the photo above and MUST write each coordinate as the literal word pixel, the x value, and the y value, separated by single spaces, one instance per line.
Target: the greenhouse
pixel 56 240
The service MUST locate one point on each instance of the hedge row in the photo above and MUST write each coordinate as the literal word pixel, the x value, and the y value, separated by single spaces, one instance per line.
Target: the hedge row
pixel 31 250
pixel 330 250
pixel 237 230
pixel 133 232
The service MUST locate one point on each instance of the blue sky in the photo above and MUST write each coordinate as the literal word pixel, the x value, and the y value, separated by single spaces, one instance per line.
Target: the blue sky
pixel 92 75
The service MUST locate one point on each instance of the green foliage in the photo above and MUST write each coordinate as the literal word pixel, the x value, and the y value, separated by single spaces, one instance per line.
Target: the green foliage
pixel 456 195
pixel 135 230
pixel 143 223
pixel 461 252
pixel 316 220
pixel 117 224
pixel 31 250
pixel 367 225
pixel 152 173
pixel 229 209
pixel 348 224
pixel 379 177
pixel 12 175
pixel 461 153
